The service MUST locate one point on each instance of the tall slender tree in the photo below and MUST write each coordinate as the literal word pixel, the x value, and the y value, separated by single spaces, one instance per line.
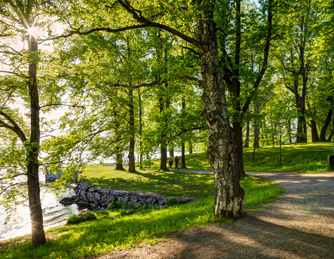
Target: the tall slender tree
pixel 19 19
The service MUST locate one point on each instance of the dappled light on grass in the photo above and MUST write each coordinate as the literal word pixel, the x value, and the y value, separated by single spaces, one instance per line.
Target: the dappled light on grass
pixel 164 183
pixel 112 231
pixel 303 158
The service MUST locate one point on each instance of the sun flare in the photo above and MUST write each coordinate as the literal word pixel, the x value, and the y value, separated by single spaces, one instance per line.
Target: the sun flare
pixel 34 32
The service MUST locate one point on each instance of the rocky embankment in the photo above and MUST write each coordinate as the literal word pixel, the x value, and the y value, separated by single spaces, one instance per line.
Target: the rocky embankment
pixel 96 197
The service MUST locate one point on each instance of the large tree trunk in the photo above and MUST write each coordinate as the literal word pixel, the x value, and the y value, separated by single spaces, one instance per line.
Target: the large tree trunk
pixel 36 216
pixel 229 195
pixel 325 126
pixel 314 131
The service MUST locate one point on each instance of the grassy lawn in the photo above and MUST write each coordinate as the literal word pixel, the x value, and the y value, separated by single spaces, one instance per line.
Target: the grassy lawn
pixel 300 158
pixel 111 230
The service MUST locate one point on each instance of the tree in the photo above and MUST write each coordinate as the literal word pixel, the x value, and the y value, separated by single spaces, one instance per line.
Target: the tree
pixel 20 18
pixel 295 55
pixel 193 23
pixel 244 63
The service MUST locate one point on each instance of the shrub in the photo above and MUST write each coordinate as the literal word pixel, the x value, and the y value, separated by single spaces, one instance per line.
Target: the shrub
pixel 82 217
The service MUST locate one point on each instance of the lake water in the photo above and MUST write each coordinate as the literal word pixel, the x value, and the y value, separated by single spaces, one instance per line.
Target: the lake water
pixel 54 214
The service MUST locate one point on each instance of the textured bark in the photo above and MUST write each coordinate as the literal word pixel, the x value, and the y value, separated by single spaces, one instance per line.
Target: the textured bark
pixel 325 126
pixel 229 195
pixel 36 216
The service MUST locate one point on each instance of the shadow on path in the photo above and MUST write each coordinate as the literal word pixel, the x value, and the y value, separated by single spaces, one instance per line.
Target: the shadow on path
pixel 299 225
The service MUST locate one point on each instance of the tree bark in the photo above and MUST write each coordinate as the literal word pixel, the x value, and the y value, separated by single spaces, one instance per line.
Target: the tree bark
pixel 229 195
pixel 36 216
pixel 314 131
pixel 325 126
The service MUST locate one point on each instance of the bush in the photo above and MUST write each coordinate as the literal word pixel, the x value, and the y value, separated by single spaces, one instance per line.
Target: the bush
pixel 118 205
pixel 173 201
pixel 82 217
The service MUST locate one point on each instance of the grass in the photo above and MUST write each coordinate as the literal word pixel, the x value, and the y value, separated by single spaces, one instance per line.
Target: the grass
pixel 115 229
pixel 300 158
pixel 195 161
pixel 153 181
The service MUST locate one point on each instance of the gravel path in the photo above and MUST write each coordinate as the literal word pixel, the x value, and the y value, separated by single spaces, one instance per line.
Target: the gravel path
pixel 299 225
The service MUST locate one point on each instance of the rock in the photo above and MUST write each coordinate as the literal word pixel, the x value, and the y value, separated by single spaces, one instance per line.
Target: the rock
pixel 94 196
pixel 84 186
pixel 67 201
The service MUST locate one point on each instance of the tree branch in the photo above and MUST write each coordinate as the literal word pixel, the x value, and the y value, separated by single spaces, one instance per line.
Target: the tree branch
pixel 185 131
pixel 137 15
pixel 15 128
pixel 61 104
pixel 265 57
pixel 191 50
pixel 78 32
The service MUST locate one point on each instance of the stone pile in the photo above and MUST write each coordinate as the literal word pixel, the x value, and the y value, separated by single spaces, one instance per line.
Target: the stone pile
pixel 93 196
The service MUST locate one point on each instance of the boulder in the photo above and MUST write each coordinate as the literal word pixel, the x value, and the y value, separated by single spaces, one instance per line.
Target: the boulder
pixel 67 201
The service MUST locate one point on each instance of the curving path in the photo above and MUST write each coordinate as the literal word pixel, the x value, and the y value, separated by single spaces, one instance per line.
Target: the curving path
pixel 299 225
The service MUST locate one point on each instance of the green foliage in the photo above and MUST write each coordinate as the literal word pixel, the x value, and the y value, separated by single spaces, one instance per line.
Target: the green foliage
pixel 173 201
